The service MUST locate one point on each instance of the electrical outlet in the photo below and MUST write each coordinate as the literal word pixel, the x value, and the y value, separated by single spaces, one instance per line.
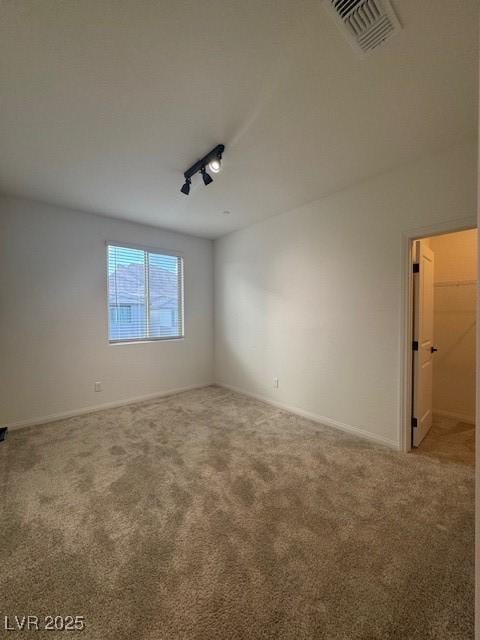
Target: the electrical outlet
pixel 98 386
pixel 275 383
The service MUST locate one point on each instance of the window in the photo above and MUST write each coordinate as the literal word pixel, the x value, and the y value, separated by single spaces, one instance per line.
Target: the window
pixel 145 295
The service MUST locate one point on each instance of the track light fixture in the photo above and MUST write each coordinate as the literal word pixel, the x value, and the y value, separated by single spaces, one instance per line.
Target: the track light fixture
pixel 207 179
pixel 213 160
pixel 215 165
pixel 186 187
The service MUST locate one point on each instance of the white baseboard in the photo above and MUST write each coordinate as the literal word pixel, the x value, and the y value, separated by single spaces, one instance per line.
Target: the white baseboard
pixel 461 417
pixel 329 422
pixel 54 417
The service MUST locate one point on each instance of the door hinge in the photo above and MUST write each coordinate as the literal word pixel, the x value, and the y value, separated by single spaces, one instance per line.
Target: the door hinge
pixel 414 422
pixel 416 267
pixel 415 345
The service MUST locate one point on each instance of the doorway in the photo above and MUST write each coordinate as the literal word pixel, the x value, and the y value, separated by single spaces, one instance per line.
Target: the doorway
pixel 443 359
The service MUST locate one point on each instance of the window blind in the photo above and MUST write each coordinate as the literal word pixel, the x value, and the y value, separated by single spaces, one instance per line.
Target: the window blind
pixel 145 295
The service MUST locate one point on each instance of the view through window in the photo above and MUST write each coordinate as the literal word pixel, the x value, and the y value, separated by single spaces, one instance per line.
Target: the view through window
pixel 145 295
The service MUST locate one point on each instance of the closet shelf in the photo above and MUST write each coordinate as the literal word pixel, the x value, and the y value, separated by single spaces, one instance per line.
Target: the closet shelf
pixel 456 283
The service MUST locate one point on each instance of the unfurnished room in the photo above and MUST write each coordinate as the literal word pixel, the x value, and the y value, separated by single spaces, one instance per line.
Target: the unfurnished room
pixel 238 319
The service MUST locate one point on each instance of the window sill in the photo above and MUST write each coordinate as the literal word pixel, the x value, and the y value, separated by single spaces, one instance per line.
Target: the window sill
pixel 117 343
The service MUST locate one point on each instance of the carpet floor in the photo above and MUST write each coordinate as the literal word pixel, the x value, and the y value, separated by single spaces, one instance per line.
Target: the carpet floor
pixel 209 515
pixel 450 440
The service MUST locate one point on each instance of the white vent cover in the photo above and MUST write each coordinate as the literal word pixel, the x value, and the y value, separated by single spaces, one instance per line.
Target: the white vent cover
pixel 366 23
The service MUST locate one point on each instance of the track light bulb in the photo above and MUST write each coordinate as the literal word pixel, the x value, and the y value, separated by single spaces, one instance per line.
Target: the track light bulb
pixel 207 179
pixel 186 187
pixel 215 165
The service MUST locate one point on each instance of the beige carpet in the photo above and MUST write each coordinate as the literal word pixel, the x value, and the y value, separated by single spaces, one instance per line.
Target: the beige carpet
pixel 208 515
pixel 450 440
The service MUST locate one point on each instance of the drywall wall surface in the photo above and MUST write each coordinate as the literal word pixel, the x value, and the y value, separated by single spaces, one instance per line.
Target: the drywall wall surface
pixel 53 315
pixel 455 323
pixel 314 297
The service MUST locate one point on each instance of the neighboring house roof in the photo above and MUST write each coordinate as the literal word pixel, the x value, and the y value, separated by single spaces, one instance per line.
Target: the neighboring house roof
pixel 126 286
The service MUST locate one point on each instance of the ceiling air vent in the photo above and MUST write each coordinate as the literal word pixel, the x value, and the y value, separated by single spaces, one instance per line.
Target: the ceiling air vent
pixel 366 23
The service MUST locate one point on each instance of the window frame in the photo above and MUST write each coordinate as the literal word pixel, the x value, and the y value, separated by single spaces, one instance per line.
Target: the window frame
pixel 181 286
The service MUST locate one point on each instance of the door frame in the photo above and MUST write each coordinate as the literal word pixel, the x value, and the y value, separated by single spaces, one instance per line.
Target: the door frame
pixel 406 352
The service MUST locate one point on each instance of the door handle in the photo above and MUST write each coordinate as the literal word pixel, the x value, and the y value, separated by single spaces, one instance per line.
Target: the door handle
pixel 433 349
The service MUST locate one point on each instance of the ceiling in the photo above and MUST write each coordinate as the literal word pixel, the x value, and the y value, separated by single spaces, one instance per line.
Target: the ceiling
pixel 104 104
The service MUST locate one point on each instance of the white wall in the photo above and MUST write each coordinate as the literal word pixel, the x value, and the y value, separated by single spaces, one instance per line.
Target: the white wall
pixel 454 324
pixel 314 296
pixel 53 315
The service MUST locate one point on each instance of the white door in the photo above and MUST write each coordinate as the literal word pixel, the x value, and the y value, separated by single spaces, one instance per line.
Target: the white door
pixel 423 341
